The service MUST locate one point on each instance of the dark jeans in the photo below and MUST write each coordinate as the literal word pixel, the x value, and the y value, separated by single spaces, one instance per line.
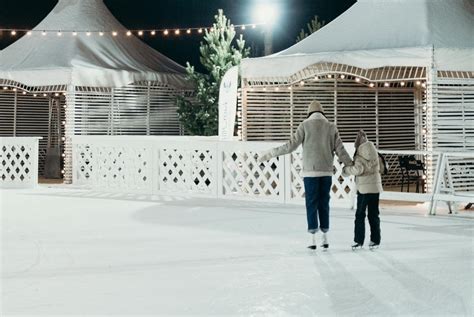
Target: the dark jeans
pixel 317 202
pixel 370 202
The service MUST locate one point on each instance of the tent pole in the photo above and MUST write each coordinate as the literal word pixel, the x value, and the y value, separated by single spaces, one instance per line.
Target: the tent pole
pixel 15 112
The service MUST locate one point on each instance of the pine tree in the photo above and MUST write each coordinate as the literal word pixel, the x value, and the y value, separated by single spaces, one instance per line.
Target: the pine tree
pixel 199 115
pixel 313 27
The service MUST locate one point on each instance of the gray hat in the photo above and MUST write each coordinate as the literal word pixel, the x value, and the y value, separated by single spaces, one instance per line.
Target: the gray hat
pixel 315 106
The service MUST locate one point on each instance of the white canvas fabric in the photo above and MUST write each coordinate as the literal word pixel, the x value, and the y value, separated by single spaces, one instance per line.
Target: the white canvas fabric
pixel 377 33
pixel 101 61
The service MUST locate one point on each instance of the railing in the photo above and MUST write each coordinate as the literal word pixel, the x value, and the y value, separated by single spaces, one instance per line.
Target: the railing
pixel 195 166
pixel 18 162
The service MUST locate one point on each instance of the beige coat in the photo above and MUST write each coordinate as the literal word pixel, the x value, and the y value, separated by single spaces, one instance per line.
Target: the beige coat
pixel 367 169
pixel 321 141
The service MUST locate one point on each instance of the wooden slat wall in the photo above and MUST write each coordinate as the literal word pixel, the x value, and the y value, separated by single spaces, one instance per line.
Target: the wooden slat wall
pixel 388 115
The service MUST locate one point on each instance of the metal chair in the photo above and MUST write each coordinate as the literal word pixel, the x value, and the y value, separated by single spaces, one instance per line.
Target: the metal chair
pixel 412 171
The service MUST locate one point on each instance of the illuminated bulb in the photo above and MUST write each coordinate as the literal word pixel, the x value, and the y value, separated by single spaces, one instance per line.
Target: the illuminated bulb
pixel 289 88
pixel 13 33
pixel 114 33
pixel 301 83
pixel 24 93
pixel 200 31
pixel 62 171
pixel 264 89
pixel 14 89
pixel 35 95
pixel 211 29
pixel 423 85
pixel 424 176
pixel 371 84
pixel 129 33
pixel 253 26
pixel 329 76
pixel 63 138
pixel 418 83
pixel 424 108
pixel 44 95
pixel 276 88
pixel 43 33
pixel 56 95
pixel 153 32
pixel 386 84
pixel 357 79
pixel 5 88
pixel 140 33
pixel 402 83
pixel 343 76
pixel 165 32
pixel 423 131
pixel 188 31
pixel 176 31
pixel 242 27
pixel 316 78
pixel 60 33
pixel 74 33
pixel 29 33
pixel 63 155
pixel 88 33
pixel 101 33
pixel 63 122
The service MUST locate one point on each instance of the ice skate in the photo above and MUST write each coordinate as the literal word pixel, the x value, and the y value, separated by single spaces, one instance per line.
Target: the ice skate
pixel 373 245
pixel 312 246
pixel 324 241
pixel 356 246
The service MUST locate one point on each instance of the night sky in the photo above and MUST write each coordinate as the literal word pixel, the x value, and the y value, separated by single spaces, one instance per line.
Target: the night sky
pixel 160 14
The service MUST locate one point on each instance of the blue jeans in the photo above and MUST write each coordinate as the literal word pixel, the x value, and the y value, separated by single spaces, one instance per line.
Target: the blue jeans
pixel 317 202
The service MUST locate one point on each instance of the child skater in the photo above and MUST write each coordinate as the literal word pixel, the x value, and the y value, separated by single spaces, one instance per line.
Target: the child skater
pixel 366 168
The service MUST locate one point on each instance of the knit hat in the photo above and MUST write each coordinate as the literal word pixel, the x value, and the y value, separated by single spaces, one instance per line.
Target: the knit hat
pixel 360 139
pixel 315 106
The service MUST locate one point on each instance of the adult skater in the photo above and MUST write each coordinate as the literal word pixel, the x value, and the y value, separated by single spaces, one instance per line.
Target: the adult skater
pixel 367 168
pixel 320 139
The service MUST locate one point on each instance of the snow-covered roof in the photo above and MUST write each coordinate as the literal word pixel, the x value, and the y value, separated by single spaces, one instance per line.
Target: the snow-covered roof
pixel 377 33
pixel 103 61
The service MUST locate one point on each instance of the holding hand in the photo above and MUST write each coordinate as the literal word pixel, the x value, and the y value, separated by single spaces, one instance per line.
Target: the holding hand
pixel 264 156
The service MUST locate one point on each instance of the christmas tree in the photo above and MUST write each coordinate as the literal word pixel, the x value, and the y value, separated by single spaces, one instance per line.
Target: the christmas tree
pixel 199 115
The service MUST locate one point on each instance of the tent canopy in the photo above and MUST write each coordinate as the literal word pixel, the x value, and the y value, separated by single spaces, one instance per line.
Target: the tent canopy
pixel 99 61
pixel 378 33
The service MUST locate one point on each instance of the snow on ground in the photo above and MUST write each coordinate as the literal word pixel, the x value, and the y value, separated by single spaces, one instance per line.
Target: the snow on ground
pixel 69 251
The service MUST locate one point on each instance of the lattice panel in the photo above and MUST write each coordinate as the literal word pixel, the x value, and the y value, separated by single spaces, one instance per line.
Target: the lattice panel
pixel 244 176
pixel 18 163
pixel 461 173
pixel 83 170
pixel 174 176
pixel 124 167
pixel 203 174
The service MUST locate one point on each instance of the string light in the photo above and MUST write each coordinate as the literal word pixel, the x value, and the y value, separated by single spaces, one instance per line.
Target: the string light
pixel 386 84
pixel 343 76
pixel 35 95
pixel 188 31
pixel 44 95
pixel 329 76
pixel 129 33
pixel 88 33
pixel 140 33
pixel 59 33
pixel 101 33
pixel 200 31
pixel 301 83
pixel 357 79
pixel 277 89
pixel 316 78
pixel 153 32
pixel 372 85
pixel 176 32
pixel 290 88
pixel 402 83
pixel 43 33
pixel 242 27
pixel 418 83
pixel 114 33
pixel 74 33
pixel 29 33
pixel 13 33
pixel 24 92
pixel 253 26
pixel 165 32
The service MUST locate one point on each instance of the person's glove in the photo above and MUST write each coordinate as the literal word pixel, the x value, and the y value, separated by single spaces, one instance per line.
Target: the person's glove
pixel 344 172
pixel 264 156
pixel 361 138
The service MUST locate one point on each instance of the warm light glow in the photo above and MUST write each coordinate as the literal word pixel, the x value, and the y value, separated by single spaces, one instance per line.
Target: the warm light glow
pixel 242 27
pixel 386 84
pixel 74 33
pixel 276 88
pixel 44 95
pixel 357 79
pixel 316 77
pixel 289 88
pixel 35 95
pixel 153 32
pixel 329 76
pixel 343 76
pixel 301 83
pixel 24 92
pixel 114 33
pixel 29 33
pixel 371 84
pixel 423 85
pixel 101 33
pixel 177 31
pixel 88 33
pixel 253 26
pixel 43 33
pixel 188 31
pixel 5 88
pixel 13 32
pixel 418 83
pixel 200 31
pixel 14 89
pixel 63 122
pixel 56 95
pixel 140 33
pixel 60 33
pixel 129 33
pixel 402 83
pixel 165 32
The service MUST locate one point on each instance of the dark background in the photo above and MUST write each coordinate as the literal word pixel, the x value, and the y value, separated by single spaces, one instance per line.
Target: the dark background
pixel 160 14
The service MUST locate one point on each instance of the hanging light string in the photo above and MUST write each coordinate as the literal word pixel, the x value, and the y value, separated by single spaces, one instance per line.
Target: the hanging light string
pixel 138 32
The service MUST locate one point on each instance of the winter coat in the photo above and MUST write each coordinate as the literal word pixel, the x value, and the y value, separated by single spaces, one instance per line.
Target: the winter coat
pixel 320 139
pixel 366 168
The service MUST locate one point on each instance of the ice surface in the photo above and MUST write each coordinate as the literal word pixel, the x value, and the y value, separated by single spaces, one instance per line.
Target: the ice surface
pixel 69 251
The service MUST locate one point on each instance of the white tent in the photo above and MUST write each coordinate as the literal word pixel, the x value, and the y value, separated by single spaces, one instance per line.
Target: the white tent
pixel 378 33
pixel 99 61
pixel 60 81
pixel 402 70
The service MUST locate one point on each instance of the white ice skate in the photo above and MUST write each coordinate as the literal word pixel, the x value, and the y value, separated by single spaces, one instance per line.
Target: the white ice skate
pixel 373 245
pixel 312 246
pixel 324 241
pixel 356 246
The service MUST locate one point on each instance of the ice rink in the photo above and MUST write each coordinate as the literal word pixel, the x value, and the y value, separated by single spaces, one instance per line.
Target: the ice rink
pixel 75 252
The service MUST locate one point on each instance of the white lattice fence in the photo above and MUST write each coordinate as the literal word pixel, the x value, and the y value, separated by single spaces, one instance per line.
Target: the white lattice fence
pixel 193 166
pixel 19 162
